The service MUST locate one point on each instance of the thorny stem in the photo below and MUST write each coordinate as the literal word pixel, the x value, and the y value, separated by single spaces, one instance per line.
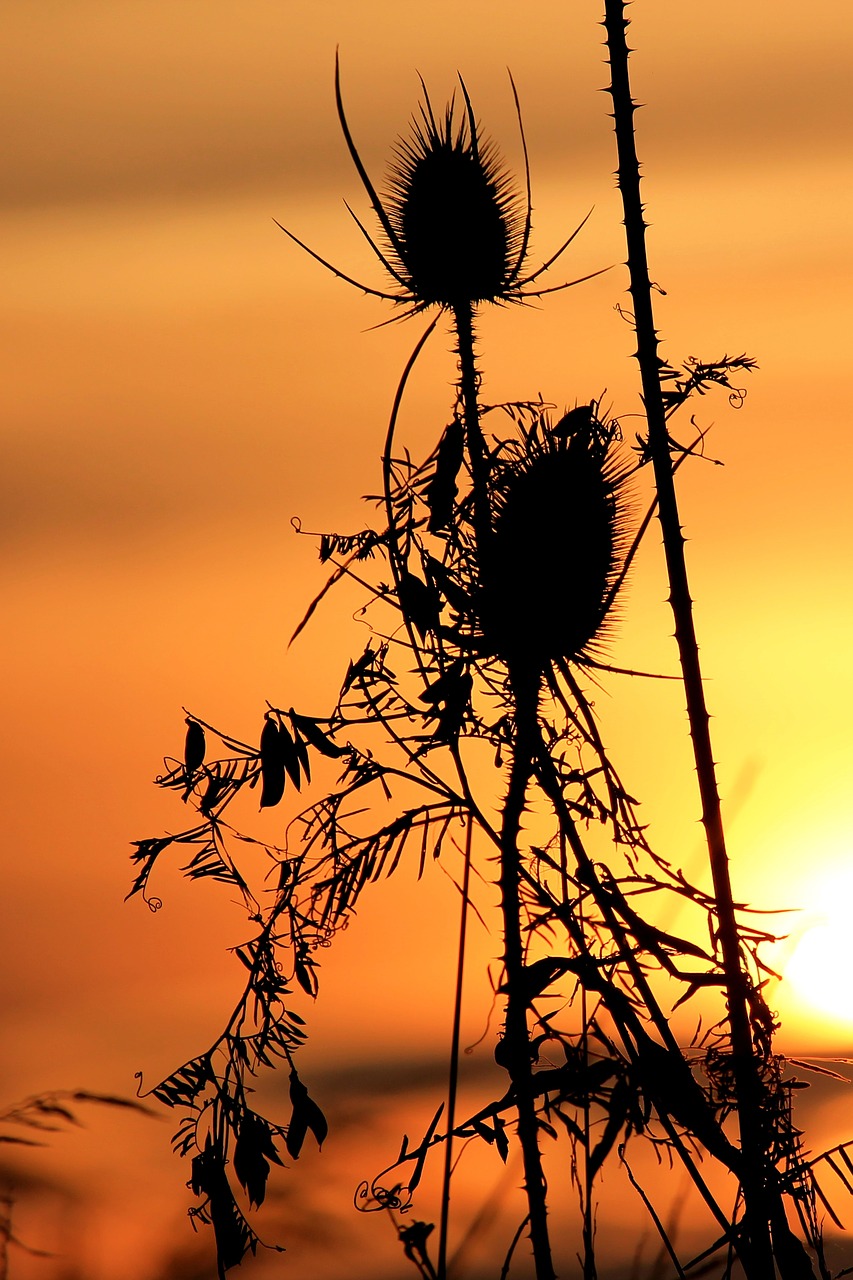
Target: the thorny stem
pixel 565 913
pixel 525 690
pixel 464 321
pixel 701 1126
pixel 758 1259
pixel 516 1042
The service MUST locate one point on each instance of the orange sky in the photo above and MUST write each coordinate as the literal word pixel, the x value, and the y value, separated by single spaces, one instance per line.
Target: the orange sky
pixel 179 381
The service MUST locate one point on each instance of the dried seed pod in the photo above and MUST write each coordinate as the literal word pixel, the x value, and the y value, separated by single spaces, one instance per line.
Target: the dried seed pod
pixel 559 534
pixel 289 755
pixel 443 488
pixel 306 1115
pixel 420 603
pixel 253 1152
pixel 449 696
pixel 301 752
pixel 194 747
pixel 311 731
pixel 272 764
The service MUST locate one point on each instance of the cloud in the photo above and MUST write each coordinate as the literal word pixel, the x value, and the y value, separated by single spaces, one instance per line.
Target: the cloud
pixel 146 100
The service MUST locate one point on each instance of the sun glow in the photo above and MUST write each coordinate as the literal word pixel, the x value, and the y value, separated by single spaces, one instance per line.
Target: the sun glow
pixel 819 971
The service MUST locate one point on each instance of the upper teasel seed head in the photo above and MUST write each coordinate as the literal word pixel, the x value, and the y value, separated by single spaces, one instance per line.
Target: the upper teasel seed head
pixel 457 225
pixel 560 532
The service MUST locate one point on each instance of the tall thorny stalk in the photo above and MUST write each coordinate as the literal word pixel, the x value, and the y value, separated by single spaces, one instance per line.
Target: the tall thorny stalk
pixel 506 549
pixel 750 1025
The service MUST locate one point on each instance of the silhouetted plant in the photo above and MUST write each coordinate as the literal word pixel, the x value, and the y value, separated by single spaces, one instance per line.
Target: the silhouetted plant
pixel 765 1234
pixel 490 585
pixel 29 1124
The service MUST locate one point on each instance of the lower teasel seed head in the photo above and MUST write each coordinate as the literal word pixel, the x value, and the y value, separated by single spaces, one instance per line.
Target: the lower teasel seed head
pixel 559 538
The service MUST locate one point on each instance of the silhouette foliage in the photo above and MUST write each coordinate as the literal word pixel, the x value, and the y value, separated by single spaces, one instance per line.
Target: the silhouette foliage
pixel 490 577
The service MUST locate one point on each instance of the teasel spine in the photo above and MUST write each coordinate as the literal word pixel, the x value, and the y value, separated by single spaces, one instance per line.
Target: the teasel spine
pixel 757 1256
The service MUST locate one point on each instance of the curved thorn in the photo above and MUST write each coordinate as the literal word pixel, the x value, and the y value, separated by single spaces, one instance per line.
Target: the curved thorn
pixel 362 172
pixel 625 671
pixel 562 249
pixel 556 288
pixel 376 293
pixel 416 309
pixel 375 247
pixel 472 121
pixel 427 111
pixel 525 239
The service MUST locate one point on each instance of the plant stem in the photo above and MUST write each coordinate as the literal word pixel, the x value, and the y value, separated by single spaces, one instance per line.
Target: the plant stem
pixel 516 1042
pixel 525 690
pixel 453 1083
pixel 464 320
pixel 759 1258
pixel 587 1206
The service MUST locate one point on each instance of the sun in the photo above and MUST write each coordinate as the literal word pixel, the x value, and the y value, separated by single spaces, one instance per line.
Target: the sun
pixel 819 972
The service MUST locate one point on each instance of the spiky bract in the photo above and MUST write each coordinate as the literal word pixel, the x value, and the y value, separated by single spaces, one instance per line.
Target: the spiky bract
pixel 559 539
pixel 458 226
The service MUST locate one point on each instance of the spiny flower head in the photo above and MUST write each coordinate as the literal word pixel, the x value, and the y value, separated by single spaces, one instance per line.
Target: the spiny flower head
pixel 457 227
pixel 560 531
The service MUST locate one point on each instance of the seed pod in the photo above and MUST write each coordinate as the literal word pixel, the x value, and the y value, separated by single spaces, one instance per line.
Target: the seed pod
pixel 253 1151
pixel 449 696
pixel 442 489
pixel 420 603
pixel 301 752
pixel 194 747
pixel 289 755
pixel 306 1115
pixel 313 734
pixel 447 585
pixel 272 764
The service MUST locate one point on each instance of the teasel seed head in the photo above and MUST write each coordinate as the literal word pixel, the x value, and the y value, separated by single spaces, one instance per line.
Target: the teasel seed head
pixel 457 225
pixel 560 534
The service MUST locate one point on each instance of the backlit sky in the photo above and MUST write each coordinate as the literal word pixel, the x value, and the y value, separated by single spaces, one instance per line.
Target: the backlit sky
pixel 179 381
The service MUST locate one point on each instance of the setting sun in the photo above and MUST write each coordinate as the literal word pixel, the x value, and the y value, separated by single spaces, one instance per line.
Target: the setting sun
pixel 821 950
pixel 821 966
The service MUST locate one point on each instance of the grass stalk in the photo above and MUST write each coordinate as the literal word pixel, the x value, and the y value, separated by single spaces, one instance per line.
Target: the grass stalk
pixel 453 1081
